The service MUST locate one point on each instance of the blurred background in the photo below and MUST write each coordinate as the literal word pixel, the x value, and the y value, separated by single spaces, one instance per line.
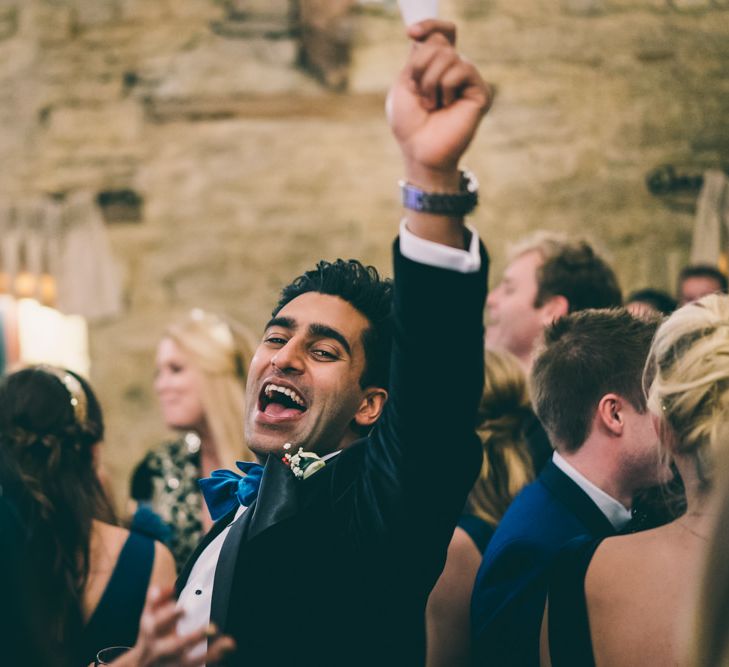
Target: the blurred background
pixel 160 155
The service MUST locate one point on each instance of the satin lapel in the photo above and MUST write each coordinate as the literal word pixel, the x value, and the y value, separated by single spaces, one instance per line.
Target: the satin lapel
pixel 225 568
pixel 276 501
pixel 277 498
pixel 218 526
pixel 579 503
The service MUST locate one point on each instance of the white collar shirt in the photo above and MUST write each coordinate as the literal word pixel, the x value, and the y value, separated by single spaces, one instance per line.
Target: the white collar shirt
pixel 615 512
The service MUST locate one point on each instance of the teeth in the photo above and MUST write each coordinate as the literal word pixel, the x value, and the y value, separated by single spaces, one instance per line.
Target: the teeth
pixel 270 388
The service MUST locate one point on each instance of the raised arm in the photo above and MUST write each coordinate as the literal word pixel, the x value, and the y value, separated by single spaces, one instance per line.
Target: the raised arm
pixel 434 109
pixel 423 455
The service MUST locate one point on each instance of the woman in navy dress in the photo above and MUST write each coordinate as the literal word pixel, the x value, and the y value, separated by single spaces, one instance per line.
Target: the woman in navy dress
pixel 90 576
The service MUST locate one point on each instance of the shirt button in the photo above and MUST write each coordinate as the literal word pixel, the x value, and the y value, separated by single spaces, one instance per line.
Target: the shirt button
pixel 198 592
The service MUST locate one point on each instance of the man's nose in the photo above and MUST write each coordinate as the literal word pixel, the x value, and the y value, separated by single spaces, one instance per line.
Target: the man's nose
pixel 289 358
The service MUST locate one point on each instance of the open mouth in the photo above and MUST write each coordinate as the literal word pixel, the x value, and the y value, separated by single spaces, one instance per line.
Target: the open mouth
pixel 281 402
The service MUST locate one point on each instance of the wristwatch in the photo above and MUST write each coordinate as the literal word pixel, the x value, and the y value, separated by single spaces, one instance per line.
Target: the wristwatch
pixel 453 204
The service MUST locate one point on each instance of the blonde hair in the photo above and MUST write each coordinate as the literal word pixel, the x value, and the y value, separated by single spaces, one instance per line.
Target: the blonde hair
pixel 688 377
pixel 546 244
pixel 571 268
pixel 688 372
pixel 221 350
pixel 507 466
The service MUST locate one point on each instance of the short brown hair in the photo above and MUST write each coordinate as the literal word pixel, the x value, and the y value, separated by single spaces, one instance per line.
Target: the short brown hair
pixel 571 268
pixel 585 356
pixel 579 275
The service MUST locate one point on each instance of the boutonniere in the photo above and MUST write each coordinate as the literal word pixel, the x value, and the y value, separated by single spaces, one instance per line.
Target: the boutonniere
pixel 303 464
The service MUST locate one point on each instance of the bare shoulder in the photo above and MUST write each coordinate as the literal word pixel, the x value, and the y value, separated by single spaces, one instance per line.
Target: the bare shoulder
pixel 164 571
pixel 459 572
pixel 462 547
pixel 637 558
pixel 110 541
pixel 107 542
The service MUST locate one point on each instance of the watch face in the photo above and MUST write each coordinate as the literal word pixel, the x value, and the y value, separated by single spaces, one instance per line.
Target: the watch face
pixel 450 204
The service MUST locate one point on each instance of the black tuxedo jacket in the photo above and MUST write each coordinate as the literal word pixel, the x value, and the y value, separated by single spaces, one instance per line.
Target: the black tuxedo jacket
pixel 336 569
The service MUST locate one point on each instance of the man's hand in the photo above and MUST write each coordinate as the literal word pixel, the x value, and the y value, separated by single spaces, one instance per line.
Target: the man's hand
pixel 435 106
pixel 159 643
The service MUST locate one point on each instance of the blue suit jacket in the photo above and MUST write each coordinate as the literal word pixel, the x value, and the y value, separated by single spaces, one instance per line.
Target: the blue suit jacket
pixel 511 586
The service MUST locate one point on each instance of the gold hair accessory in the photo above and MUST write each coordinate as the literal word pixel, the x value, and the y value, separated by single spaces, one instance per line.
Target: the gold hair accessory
pixel 222 333
pixel 219 329
pixel 75 390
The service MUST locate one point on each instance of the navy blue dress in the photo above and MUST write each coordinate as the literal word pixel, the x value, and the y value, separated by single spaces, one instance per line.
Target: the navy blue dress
pixel 570 642
pixel 115 621
pixel 478 530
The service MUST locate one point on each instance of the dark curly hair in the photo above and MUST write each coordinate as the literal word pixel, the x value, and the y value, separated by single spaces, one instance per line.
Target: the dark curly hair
pixel 365 290
pixel 50 442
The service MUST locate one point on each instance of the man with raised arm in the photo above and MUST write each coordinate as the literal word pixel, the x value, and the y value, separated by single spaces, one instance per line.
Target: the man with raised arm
pixel 361 403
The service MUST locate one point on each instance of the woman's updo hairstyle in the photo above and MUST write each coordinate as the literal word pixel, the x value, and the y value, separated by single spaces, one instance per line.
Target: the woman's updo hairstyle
pixel 502 413
pixel 687 378
pixel 505 400
pixel 50 421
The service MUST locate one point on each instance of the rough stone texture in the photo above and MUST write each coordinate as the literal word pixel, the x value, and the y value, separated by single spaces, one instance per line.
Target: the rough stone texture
pixel 250 170
pixel 326 36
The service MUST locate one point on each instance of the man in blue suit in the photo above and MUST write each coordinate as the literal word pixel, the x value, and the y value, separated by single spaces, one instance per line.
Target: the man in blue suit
pixel 587 391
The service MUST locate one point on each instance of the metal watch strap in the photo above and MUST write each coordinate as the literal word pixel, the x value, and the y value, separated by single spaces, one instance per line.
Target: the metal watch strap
pixel 454 204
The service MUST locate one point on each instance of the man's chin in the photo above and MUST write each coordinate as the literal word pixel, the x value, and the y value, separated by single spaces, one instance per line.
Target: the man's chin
pixel 267 444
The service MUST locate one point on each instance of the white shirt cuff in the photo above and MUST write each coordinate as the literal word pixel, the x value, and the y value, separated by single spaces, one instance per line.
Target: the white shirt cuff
pixel 441 256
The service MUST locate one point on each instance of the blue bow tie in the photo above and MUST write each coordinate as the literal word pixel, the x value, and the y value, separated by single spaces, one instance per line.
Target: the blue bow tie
pixel 225 490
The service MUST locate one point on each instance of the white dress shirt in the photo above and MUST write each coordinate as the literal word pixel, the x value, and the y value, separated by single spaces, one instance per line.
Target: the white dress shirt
pixel 196 597
pixel 615 512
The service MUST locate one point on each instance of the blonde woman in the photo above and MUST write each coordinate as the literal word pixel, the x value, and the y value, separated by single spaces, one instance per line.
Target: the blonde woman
pixel 506 469
pixel 710 646
pixel 201 369
pixel 633 605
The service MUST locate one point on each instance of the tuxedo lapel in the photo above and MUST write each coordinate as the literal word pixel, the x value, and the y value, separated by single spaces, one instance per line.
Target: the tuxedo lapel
pixel 578 502
pixel 276 501
pixel 217 528
pixel 277 498
pixel 225 568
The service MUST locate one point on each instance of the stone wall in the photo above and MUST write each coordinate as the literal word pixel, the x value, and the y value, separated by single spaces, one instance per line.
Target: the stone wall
pixel 249 168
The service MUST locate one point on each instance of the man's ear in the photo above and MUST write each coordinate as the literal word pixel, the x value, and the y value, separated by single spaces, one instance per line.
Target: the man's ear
pixel 555 307
pixel 610 413
pixel 371 407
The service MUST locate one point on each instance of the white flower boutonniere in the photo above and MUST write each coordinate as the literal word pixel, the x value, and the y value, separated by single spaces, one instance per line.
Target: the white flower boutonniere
pixel 303 464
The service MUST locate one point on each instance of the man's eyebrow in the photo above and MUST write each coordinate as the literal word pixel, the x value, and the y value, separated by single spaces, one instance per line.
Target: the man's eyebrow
pixel 283 322
pixel 315 330
pixel 324 331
